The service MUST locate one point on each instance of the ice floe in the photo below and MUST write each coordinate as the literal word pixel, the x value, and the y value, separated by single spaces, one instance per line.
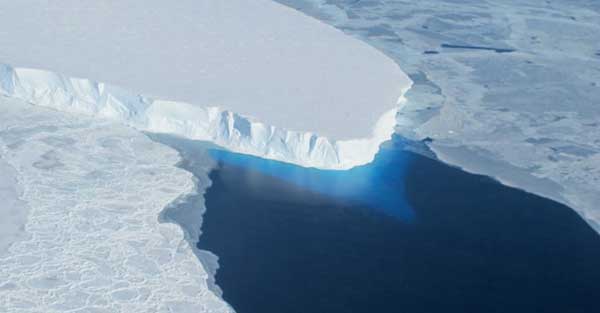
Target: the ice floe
pixel 95 190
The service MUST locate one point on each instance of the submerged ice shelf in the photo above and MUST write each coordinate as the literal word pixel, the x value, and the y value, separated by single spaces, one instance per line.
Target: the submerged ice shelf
pixel 222 127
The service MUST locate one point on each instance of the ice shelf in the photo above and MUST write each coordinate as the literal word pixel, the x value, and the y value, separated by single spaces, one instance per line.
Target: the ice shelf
pixel 293 80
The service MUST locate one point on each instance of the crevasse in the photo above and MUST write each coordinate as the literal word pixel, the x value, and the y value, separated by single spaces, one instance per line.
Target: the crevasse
pixel 217 125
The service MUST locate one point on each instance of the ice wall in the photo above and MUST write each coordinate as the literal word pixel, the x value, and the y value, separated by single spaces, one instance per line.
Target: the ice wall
pixel 222 127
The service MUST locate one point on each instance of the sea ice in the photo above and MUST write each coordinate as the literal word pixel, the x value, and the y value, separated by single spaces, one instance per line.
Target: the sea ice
pixel 504 88
pixel 13 211
pixel 94 243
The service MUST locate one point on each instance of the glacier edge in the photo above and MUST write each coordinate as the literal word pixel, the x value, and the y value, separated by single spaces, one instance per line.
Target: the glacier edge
pixel 209 123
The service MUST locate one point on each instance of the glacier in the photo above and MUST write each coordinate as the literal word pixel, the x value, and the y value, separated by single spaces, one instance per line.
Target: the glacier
pixel 291 89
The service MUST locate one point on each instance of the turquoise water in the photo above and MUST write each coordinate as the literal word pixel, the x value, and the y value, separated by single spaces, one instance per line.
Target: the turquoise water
pixel 404 234
pixel 365 185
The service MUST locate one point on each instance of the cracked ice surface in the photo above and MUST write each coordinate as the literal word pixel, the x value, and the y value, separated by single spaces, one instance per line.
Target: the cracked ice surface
pixel 527 117
pixel 12 209
pixel 95 190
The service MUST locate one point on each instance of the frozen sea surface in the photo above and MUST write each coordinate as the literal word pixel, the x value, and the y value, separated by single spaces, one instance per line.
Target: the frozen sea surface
pixel 510 89
pixel 95 242
pixel 12 210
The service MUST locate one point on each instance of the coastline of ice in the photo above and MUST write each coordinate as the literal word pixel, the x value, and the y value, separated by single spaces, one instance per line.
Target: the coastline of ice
pixel 95 190
pixel 188 211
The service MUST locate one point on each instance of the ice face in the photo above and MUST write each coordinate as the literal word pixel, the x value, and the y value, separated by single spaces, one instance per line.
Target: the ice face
pixel 505 88
pixel 222 127
pixel 95 190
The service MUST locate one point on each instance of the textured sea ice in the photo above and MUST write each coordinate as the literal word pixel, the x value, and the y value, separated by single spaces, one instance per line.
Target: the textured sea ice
pixel 13 211
pixel 94 242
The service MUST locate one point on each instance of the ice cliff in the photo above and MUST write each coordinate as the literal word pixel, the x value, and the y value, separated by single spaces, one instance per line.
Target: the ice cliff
pixel 209 123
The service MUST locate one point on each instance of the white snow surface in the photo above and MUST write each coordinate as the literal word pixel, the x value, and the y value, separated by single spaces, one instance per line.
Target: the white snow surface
pixel 256 58
pixel 84 192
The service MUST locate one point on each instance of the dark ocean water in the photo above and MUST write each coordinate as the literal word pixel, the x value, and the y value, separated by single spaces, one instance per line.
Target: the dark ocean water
pixel 403 234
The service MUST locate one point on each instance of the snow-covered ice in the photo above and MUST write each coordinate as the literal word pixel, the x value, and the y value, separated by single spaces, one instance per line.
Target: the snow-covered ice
pixel 95 190
pixel 255 58
pixel 527 117
pixel 13 211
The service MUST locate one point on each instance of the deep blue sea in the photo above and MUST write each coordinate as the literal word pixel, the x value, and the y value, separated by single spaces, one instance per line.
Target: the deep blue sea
pixel 403 234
